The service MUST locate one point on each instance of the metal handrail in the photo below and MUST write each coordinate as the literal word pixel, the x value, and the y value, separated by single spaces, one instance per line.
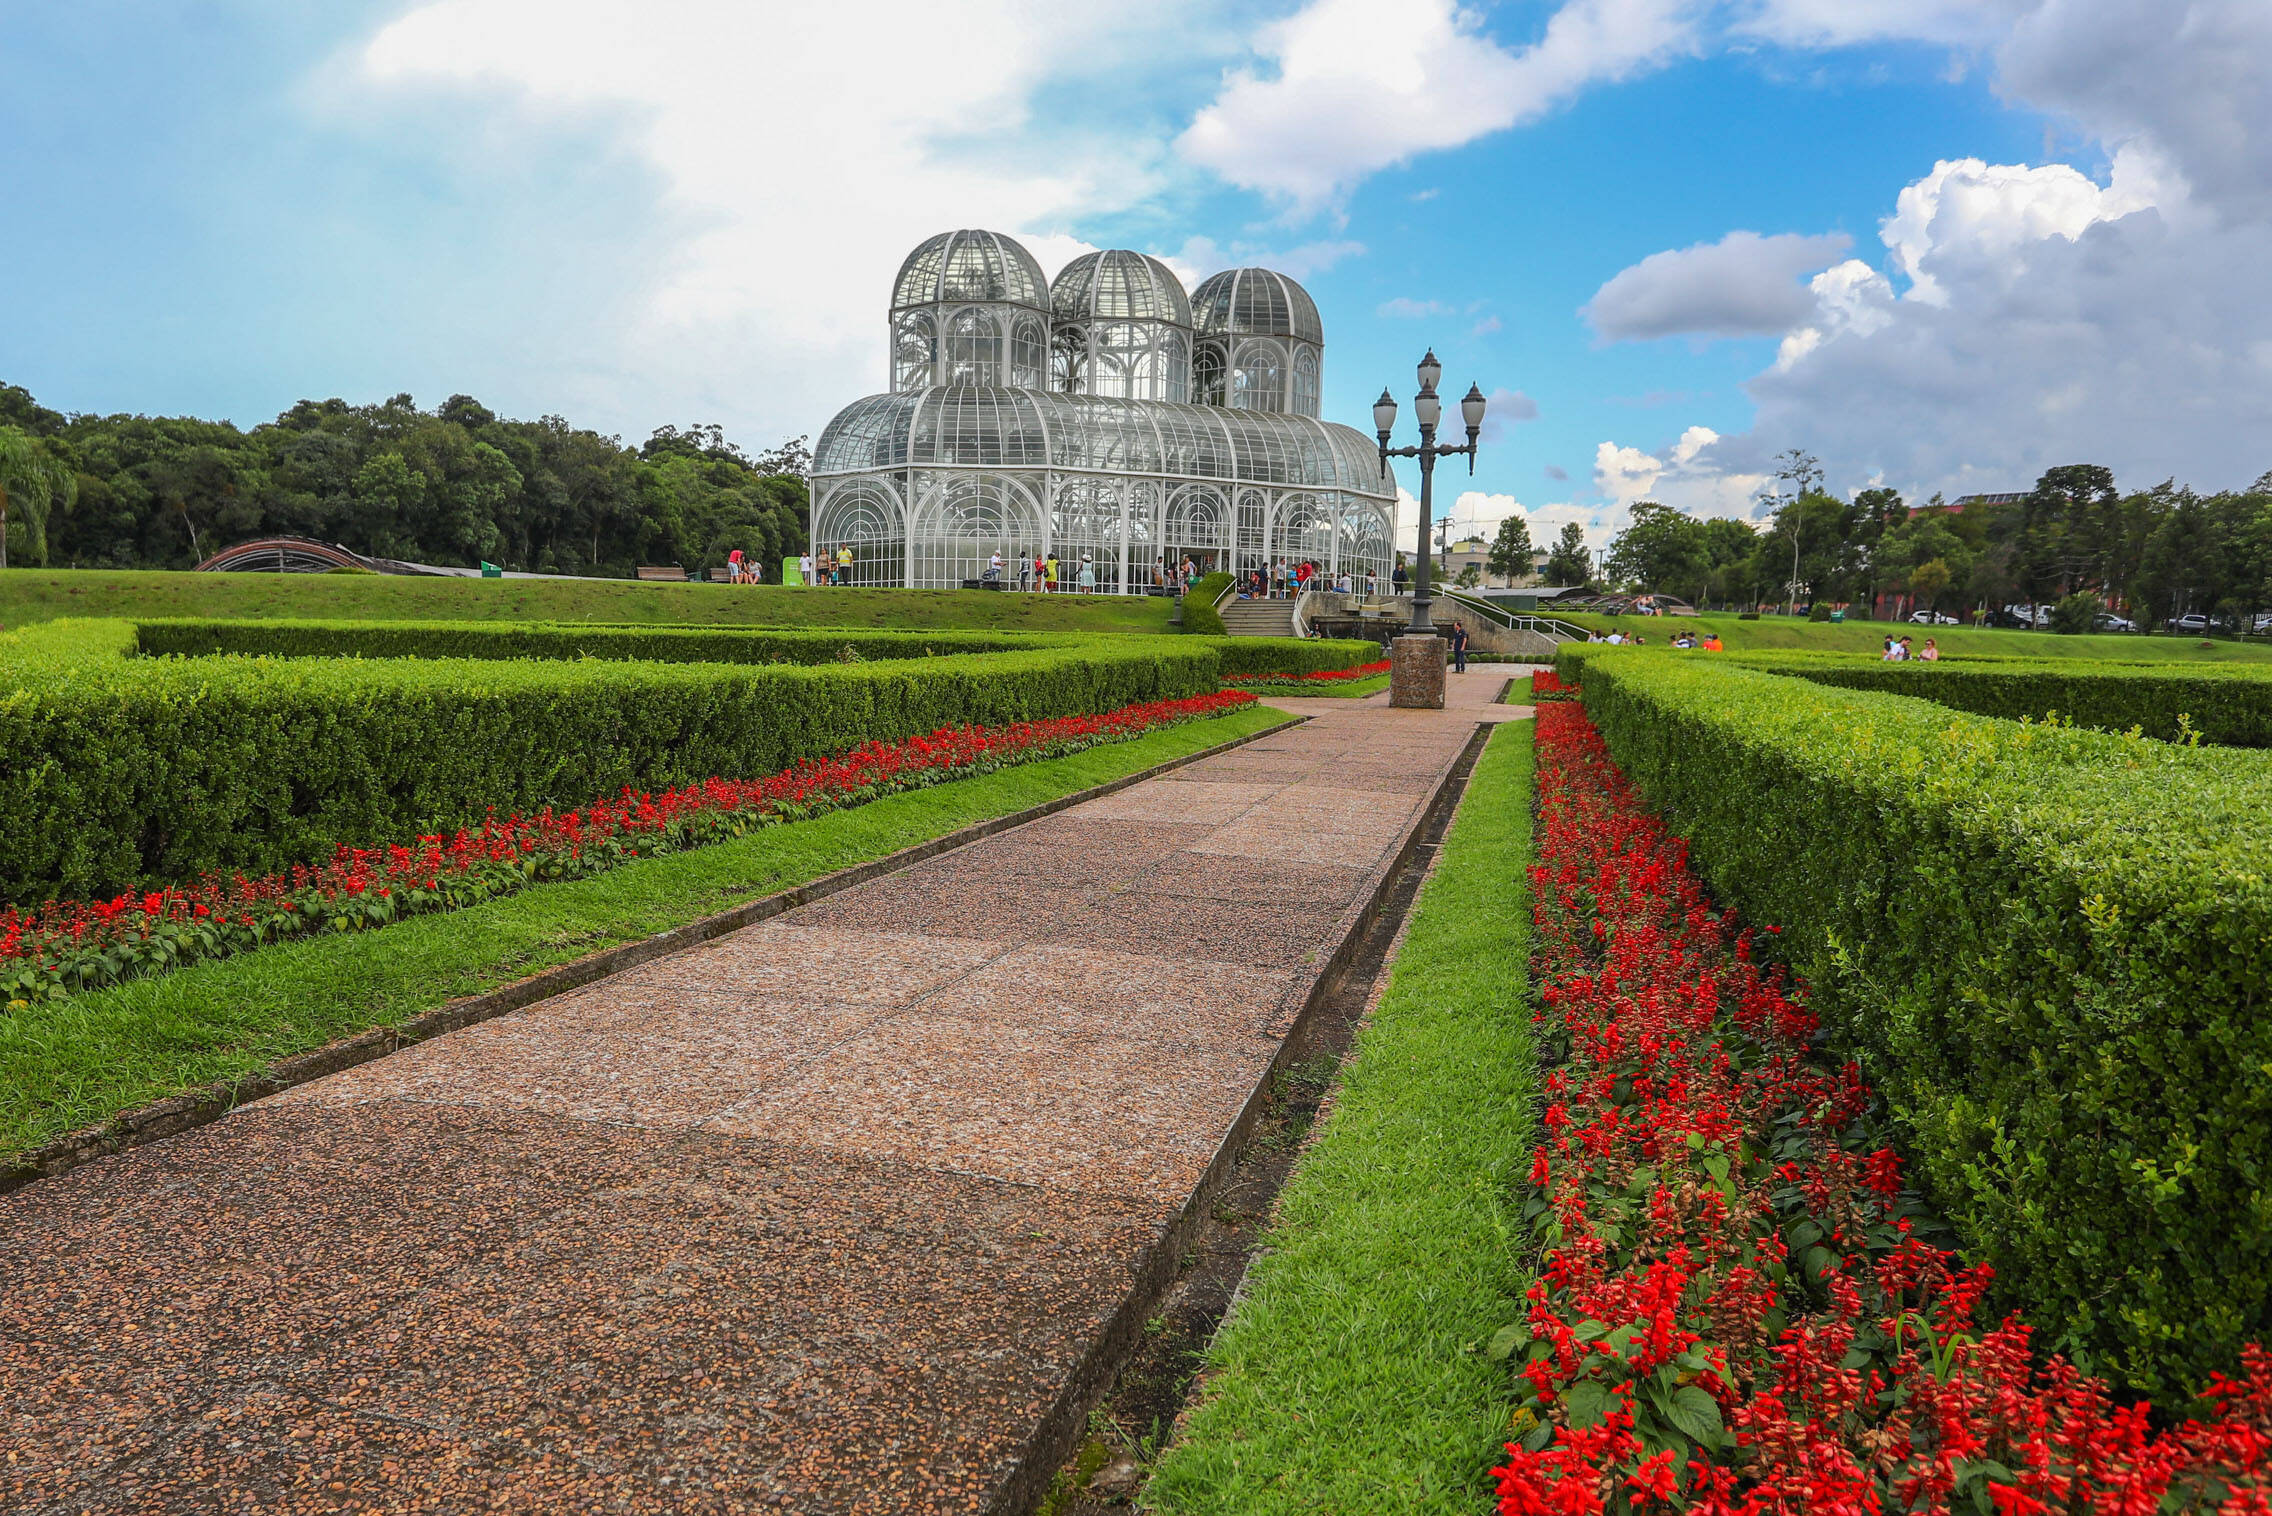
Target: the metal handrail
pixel 1548 627
pixel 1301 620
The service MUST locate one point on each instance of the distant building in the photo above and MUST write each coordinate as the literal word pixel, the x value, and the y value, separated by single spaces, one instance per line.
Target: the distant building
pixel 1477 551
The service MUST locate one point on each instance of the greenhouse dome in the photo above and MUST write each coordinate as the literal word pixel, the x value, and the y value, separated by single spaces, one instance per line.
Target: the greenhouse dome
pixel 985 447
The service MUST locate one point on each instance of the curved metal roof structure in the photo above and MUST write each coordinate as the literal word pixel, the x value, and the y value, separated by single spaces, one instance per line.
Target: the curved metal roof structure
pixel 1255 302
pixel 970 266
pixel 1118 285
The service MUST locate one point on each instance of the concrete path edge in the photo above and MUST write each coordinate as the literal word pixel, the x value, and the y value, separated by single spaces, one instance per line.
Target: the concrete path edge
pixel 196 1108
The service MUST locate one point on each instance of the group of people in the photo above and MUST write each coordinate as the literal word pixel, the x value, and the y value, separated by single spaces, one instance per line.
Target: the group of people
pixel 1708 641
pixel 825 567
pixel 1897 651
pixel 1045 573
pixel 1284 581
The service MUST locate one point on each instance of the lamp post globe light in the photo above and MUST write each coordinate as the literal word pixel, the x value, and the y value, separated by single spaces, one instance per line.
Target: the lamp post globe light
pixel 1416 674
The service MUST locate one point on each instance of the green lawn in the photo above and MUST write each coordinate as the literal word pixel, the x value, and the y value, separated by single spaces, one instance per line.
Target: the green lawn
pixel 1326 689
pixel 1955 641
pixel 1348 1378
pixel 30 595
pixel 72 1063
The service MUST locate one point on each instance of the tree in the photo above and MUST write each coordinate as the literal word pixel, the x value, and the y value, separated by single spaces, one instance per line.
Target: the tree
pixel 1511 550
pixel 1571 563
pixel 1470 575
pixel 1930 580
pixel 1661 549
pixel 32 483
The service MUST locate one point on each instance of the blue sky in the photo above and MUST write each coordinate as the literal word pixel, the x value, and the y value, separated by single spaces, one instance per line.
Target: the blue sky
pixel 689 211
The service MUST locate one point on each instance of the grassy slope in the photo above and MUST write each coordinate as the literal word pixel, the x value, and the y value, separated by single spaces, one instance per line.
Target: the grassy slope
pixel 80 1061
pixel 1343 1382
pixel 1956 641
pixel 29 595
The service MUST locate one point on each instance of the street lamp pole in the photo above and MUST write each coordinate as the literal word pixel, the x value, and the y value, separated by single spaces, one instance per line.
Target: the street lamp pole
pixel 1427 409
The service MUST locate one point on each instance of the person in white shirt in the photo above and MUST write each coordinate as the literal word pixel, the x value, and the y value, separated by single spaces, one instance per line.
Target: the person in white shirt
pixel 805 567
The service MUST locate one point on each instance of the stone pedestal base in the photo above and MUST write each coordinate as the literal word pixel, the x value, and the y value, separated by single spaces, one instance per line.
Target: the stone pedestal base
pixel 1416 672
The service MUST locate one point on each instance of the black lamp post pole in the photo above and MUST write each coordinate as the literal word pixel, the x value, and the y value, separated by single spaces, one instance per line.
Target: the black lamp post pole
pixel 1427 409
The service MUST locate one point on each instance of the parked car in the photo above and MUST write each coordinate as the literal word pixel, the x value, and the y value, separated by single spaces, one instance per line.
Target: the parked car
pixel 1931 618
pixel 2107 621
pixel 2192 621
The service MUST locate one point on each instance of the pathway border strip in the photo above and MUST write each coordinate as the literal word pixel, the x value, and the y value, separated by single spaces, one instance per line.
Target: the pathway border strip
pixel 200 1107
pixel 1059 1431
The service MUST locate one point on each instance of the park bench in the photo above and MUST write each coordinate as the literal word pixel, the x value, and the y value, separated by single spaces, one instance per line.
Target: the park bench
pixel 666 571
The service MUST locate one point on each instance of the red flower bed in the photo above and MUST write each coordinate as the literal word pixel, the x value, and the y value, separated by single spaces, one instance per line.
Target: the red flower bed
pixel 1296 681
pixel 1547 685
pixel 1740 1308
pixel 64 947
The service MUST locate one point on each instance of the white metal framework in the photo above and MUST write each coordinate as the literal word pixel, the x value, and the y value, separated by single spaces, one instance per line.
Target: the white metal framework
pixel 1029 421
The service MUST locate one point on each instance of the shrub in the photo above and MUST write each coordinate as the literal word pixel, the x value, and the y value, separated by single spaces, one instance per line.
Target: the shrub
pixel 560 640
pixel 119 773
pixel 2075 614
pixel 2228 704
pixel 1199 613
pixel 2050 948
pixel 1818 612
pixel 1251 657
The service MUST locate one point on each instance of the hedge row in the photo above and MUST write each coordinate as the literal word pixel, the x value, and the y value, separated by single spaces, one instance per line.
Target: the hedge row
pixel 1200 617
pixel 560 640
pixel 2226 704
pixel 1245 657
pixel 116 773
pixel 2051 948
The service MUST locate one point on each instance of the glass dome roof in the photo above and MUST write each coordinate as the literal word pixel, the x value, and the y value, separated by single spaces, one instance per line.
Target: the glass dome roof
pixel 998 427
pixel 954 267
pixel 1118 285
pixel 1255 302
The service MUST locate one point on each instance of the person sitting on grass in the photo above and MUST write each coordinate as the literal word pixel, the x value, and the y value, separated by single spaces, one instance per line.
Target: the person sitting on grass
pixel 1931 654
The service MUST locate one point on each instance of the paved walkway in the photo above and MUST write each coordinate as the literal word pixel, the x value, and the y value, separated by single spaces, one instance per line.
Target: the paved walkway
pixel 821 1216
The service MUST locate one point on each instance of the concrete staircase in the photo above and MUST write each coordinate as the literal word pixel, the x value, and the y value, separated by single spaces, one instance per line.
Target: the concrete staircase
pixel 1259 618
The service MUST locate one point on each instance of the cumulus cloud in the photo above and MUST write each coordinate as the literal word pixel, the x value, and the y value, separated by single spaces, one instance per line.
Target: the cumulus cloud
pixel 1689 474
pixel 1346 90
pixel 1743 285
pixel 754 297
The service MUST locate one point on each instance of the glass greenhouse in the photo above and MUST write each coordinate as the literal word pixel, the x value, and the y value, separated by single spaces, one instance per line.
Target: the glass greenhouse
pixel 1107 416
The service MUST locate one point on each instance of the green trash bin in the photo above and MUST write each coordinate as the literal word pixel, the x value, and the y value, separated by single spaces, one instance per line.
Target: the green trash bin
pixel 491 571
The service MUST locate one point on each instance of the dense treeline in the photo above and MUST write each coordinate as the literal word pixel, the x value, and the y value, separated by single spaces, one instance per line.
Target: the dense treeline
pixel 2155 554
pixel 452 486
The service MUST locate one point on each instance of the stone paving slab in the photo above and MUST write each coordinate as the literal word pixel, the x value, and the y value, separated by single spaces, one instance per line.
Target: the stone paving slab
pixel 825 1215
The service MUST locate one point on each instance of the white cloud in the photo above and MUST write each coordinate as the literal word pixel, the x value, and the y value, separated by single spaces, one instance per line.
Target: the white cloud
pixel 1349 89
pixel 1848 297
pixel 1989 212
pixel 1690 475
pixel 791 194
pixel 1743 285
pixel 1405 308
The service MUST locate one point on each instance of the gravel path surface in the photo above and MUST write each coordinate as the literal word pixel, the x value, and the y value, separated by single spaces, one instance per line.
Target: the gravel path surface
pixel 825 1215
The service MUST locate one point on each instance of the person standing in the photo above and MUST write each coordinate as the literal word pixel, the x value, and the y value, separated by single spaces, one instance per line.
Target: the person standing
pixel 844 564
pixel 1087 578
pixel 805 568
pixel 1049 569
pixel 1399 578
pixel 734 566
pixel 1459 648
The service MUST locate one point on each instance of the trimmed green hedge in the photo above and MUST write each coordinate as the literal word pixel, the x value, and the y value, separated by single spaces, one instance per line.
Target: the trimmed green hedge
pixel 117 773
pixel 1248 656
pixel 2229 704
pixel 558 640
pixel 1199 614
pixel 2051 948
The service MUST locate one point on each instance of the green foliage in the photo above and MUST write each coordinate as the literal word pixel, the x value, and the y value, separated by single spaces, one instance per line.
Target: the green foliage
pixel 2051 948
pixel 1350 1377
pixel 1820 611
pixel 1291 655
pixel 450 486
pixel 504 639
pixel 34 484
pixel 2075 614
pixel 117 772
pixel 1754 633
pixel 1199 614
pixel 1510 557
pixel 28 596
pixel 1572 562
pixel 2230 705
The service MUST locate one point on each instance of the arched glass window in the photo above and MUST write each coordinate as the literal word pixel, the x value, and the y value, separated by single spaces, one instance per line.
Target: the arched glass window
pixel 1069 360
pixel 1207 371
pixel 974 348
pixel 914 352
pixel 1305 383
pixel 1028 358
pixel 1175 369
pixel 1258 379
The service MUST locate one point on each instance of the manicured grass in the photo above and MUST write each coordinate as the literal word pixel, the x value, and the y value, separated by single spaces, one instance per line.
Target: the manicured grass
pixel 1954 641
pixel 29 595
pixel 72 1063
pixel 1348 1378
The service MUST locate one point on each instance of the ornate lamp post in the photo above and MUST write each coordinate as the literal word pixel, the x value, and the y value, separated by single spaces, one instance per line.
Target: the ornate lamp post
pixel 1416 675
